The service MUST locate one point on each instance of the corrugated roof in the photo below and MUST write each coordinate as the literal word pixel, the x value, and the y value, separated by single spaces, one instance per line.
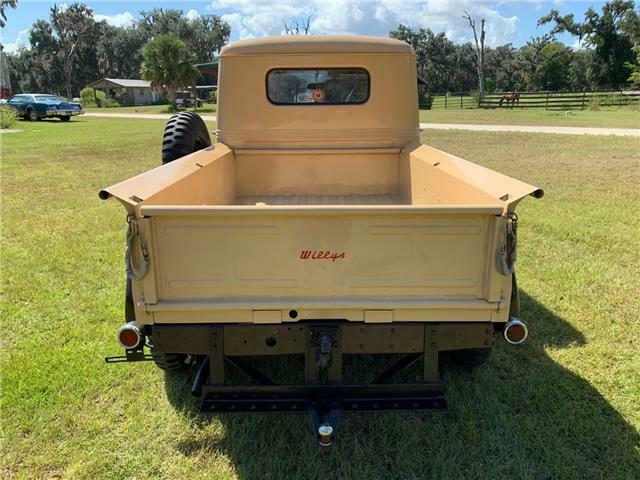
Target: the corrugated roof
pixel 127 82
pixel 295 44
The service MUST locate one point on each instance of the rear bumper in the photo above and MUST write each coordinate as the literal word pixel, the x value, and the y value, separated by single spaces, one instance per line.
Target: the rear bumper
pixel 297 339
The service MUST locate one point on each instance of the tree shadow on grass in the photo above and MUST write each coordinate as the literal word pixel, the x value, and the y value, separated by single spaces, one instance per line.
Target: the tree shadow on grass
pixel 521 415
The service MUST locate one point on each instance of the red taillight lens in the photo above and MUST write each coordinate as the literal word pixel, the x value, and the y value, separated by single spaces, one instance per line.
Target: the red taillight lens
pixel 516 333
pixel 129 337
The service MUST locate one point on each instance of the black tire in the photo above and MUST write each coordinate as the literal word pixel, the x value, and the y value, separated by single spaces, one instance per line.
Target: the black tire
pixel 170 362
pixel 471 358
pixel 184 133
pixel 32 116
pixel 64 118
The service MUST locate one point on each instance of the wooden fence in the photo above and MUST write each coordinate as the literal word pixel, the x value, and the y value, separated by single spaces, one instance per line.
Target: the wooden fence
pixel 546 100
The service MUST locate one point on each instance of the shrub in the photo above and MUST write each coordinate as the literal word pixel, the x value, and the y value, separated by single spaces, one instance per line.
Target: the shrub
pixel 161 100
pixel 109 103
pixel 8 117
pixel 213 97
pixel 88 97
pixel 594 104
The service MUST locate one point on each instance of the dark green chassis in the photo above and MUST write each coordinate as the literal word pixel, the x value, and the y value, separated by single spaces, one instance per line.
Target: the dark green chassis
pixel 323 345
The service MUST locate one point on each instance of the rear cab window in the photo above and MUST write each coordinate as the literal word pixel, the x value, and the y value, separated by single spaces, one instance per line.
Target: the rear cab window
pixel 318 86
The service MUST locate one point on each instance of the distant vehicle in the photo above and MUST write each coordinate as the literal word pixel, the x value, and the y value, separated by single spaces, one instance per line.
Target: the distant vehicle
pixel 38 106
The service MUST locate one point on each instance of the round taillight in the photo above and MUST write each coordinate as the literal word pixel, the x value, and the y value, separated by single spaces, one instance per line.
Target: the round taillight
pixel 129 336
pixel 515 332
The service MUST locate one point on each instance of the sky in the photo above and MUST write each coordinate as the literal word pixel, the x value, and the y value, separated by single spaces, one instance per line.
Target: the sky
pixel 508 21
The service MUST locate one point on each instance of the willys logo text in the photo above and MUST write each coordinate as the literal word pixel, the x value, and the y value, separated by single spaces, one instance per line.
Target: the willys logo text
pixel 321 255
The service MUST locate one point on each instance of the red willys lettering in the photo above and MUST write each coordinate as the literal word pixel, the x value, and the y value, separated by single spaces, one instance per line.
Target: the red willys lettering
pixel 321 255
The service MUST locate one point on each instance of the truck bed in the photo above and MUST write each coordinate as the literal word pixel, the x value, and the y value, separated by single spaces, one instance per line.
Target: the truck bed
pixel 374 235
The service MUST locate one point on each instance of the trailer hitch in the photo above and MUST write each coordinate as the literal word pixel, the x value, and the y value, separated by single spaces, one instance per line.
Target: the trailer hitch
pixel 324 425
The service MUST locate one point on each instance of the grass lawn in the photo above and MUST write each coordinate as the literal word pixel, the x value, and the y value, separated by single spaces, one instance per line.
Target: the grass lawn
pixel 563 405
pixel 612 118
pixel 207 108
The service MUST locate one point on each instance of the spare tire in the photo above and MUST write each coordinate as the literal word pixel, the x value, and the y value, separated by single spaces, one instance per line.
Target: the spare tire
pixel 184 133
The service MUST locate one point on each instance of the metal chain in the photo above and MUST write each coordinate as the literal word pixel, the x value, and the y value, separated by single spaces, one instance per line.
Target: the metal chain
pixel 134 232
pixel 507 251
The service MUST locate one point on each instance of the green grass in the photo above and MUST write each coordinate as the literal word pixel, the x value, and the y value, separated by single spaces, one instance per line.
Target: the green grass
pixel 611 118
pixel 205 109
pixel 564 405
pixel 620 118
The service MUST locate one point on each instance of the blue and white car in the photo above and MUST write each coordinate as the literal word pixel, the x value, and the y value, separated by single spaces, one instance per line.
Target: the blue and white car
pixel 36 106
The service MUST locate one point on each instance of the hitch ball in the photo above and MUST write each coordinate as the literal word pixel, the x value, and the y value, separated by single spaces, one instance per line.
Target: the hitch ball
pixel 325 435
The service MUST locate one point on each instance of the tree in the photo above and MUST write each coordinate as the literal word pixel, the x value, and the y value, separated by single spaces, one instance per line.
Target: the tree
pixel 299 28
pixel 118 51
pixel 479 49
pixel 634 77
pixel 504 69
pixel 71 25
pixel 462 74
pixel 433 54
pixel 168 64
pixel 552 70
pixel 609 33
pixel 3 5
pixel 204 35
pixel 580 75
pixel 529 55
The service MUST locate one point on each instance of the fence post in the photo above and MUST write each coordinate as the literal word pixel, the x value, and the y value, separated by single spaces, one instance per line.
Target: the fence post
pixel 460 100
pixel 584 96
pixel 620 102
pixel 546 105
pixel 446 94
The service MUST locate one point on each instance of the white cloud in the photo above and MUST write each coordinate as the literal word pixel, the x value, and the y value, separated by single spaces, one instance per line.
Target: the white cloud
pixel 22 40
pixel 255 18
pixel 192 14
pixel 124 19
pixel 578 44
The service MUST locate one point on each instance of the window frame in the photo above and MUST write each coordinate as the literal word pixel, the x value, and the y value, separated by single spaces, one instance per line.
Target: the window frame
pixel 282 104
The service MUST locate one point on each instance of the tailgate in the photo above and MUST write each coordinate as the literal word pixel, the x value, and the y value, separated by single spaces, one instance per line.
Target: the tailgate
pixel 321 257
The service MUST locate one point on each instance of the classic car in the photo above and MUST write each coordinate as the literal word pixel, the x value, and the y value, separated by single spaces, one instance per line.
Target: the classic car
pixel 37 106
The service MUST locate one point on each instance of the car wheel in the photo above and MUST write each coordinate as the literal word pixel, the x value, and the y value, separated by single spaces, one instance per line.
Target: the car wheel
pixel 170 362
pixel 470 358
pixel 32 116
pixel 65 118
pixel 184 133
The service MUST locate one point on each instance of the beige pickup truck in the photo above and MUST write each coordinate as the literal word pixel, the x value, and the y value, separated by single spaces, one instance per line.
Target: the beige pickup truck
pixel 317 225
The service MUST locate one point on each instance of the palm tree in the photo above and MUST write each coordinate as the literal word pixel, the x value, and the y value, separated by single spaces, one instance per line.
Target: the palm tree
pixel 168 65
